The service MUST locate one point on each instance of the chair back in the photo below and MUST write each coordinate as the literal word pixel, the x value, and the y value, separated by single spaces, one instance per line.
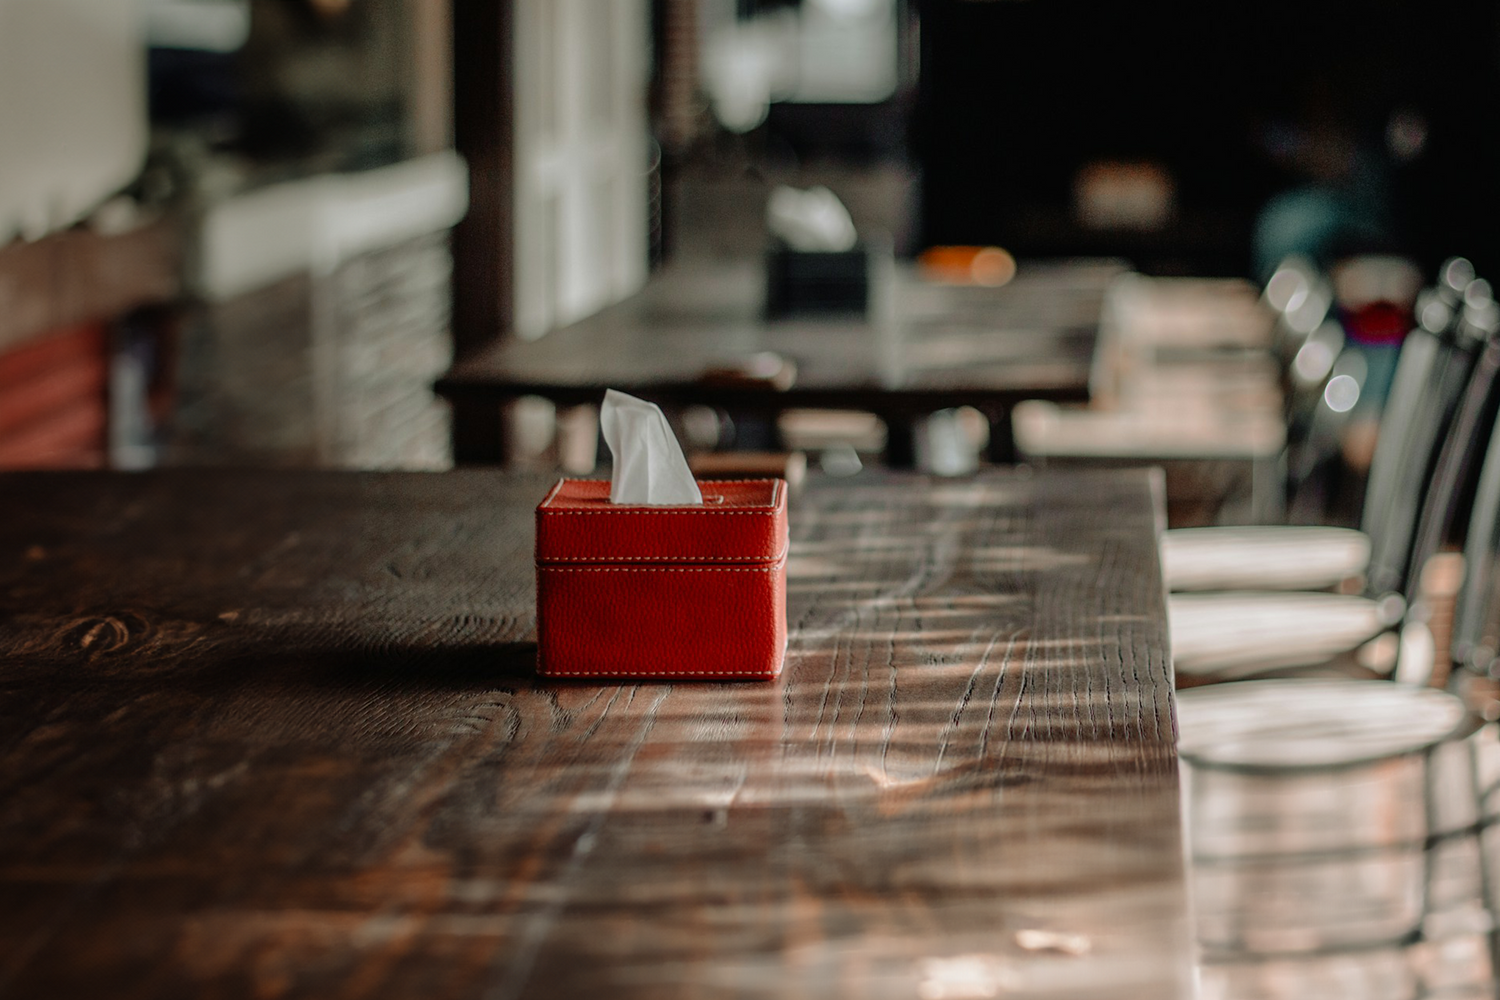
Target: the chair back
pixel 1476 620
pixel 1450 497
pixel 1315 435
pixel 1432 374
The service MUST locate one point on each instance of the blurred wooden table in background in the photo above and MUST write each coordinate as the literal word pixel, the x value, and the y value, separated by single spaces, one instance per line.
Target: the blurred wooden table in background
pixel 922 347
pixel 1185 379
pixel 280 734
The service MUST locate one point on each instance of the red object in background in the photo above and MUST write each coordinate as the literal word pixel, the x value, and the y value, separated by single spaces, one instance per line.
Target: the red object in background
pixel 1377 323
pixel 53 400
pixel 628 591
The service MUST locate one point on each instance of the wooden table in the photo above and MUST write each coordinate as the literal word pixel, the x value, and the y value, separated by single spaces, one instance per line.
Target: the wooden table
pixel 278 734
pixel 923 347
pixel 1185 381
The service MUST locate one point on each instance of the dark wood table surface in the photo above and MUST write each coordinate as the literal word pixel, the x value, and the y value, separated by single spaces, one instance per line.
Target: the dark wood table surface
pixel 922 347
pixel 278 734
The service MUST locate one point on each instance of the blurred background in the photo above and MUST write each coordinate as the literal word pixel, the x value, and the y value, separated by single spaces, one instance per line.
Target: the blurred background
pixel 258 230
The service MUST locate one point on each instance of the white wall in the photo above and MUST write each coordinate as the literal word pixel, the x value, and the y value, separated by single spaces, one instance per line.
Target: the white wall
pixel 582 71
pixel 72 109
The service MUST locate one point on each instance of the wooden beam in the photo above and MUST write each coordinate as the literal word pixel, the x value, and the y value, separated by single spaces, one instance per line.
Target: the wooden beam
pixel 483 107
pixel 430 91
pixel 483 269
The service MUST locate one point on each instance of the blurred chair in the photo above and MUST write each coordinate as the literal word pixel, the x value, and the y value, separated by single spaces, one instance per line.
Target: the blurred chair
pixel 1431 374
pixel 1476 628
pixel 1184 377
pixel 1340 830
pixel 1334 830
pixel 1434 428
pixel 1475 667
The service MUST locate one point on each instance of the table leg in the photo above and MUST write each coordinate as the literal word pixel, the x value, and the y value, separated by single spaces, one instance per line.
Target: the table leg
pixel 478 434
pixel 900 441
pixel 1002 446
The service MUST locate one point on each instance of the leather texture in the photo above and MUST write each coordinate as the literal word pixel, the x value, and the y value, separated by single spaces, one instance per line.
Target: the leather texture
pixel 662 591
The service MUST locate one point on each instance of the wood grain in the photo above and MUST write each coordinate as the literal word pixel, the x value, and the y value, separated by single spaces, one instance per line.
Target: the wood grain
pixel 279 735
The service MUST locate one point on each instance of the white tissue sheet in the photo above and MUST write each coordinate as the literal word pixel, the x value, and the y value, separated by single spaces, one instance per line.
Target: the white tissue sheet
pixel 649 465
pixel 813 220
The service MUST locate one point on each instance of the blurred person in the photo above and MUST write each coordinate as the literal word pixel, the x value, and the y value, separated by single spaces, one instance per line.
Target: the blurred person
pixel 1339 201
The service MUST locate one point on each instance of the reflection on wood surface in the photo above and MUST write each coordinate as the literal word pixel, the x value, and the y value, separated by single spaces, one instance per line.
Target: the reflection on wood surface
pixel 279 734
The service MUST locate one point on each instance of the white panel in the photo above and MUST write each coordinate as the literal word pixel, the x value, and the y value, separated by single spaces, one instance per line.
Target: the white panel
pixel 206 25
pixel 847 52
pixel 72 109
pixel 632 78
pixel 534 203
pixel 576 272
pixel 581 132
pixel 254 239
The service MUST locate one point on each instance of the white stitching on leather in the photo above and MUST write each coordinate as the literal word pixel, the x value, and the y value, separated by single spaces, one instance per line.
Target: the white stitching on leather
pixel 685 675
pixel 778 557
pixel 627 510
pixel 759 511
pixel 544 563
pixel 776 487
pixel 657 569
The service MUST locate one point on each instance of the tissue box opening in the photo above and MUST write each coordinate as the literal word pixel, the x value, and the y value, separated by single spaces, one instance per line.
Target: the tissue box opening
pixel 627 591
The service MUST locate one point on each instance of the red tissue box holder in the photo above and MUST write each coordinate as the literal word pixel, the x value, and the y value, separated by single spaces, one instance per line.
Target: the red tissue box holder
pixel 635 591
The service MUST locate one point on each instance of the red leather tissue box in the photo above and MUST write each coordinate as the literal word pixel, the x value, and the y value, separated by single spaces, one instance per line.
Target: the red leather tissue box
pixel 628 591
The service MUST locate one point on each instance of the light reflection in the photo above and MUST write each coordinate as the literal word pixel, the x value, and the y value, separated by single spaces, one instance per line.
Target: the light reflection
pixel 1434 315
pixel 1287 288
pixel 1341 393
pixel 968 265
pixel 1032 939
pixel 978 611
pixel 1309 314
pixel 965 977
pixel 1315 358
pixel 834 560
pixel 951 603
pixel 1457 272
pixel 935 637
pixel 825 585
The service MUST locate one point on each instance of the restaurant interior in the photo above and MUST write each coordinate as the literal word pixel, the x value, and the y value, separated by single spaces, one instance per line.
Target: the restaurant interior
pixel 1040 470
